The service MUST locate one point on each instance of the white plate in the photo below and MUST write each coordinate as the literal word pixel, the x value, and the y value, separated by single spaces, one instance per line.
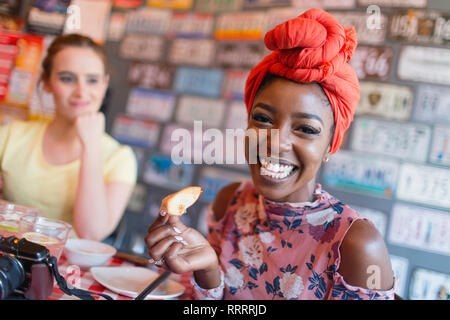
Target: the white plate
pixel 130 281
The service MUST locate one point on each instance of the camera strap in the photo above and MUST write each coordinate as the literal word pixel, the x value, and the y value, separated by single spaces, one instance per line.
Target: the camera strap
pixel 69 289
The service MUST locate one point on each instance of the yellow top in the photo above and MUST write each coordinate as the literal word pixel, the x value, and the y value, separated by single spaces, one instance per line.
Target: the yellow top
pixel 29 180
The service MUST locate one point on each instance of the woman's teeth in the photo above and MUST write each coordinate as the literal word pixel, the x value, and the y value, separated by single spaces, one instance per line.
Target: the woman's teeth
pixel 276 171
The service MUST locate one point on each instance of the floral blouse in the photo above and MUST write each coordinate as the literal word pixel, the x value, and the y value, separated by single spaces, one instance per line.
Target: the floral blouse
pixel 270 250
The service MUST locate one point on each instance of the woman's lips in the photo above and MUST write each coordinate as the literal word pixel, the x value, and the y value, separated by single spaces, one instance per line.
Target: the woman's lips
pixel 80 104
pixel 275 172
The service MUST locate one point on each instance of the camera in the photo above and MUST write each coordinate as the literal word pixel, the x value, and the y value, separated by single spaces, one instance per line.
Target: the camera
pixel 24 269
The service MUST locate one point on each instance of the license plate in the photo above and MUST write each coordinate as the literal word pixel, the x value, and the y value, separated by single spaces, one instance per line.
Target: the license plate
pixel 141 47
pixel 209 111
pixel 213 180
pixel 420 26
pixel 279 15
pixel 213 6
pixel 116 26
pixel 385 100
pixel 191 25
pixel 197 52
pixel 400 269
pixel 420 228
pixel 440 147
pixel 149 21
pixel 425 64
pixel 265 3
pixel 234 85
pixel 365 32
pixel 139 153
pixel 198 81
pixel 402 140
pixel 180 142
pixel 126 4
pixel 432 104
pixel 19 86
pixel 361 173
pixel 328 4
pixel 395 3
pixel 429 285
pixel 240 26
pixel 135 132
pixel 237 116
pixel 424 184
pixel 150 104
pixel 372 62
pixel 378 218
pixel 151 76
pixel 92 16
pixel 160 170
pixel 47 22
pixel 171 4
pixel 239 55
pixel 201 145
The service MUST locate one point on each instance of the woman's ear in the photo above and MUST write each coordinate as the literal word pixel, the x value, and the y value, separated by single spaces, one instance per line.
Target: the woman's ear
pixel 107 77
pixel 106 82
pixel 327 155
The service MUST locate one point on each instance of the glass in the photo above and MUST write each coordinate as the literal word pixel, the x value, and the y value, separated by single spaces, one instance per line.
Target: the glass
pixel 47 232
pixel 10 214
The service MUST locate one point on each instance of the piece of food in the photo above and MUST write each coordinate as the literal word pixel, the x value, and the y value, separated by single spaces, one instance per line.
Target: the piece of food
pixel 177 203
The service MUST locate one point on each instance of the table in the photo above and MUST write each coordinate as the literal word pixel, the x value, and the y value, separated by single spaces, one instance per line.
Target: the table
pixel 87 282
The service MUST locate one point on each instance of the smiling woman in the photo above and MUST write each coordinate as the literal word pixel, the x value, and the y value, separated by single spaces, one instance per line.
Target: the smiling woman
pixel 281 236
pixel 305 127
pixel 72 170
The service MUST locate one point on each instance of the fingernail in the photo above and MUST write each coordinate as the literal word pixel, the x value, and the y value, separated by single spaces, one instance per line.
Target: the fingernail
pixel 179 238
pixel 176 230
pixel 159 262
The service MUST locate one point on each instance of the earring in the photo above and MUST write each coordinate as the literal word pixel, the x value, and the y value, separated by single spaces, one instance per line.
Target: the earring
pixel 326 159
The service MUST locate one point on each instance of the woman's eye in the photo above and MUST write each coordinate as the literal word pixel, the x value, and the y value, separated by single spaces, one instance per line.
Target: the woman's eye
pixel 309 130
pixel 92 80
pixel 66 79
pixel 261 118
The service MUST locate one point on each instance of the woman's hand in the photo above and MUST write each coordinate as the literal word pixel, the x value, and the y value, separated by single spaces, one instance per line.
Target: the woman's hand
pixel 90 128
pixel 179 248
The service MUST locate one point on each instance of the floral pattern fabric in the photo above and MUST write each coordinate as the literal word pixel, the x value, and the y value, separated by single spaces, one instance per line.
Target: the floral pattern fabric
pixel 270 250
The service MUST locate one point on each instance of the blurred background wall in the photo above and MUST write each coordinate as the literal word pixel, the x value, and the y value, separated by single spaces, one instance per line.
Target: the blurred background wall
pixel 173 62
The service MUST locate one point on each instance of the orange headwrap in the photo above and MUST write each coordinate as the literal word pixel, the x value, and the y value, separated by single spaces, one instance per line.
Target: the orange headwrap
pixel 313 47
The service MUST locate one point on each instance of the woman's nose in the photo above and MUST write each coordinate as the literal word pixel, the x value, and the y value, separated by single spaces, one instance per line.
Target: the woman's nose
pixel 79 89
pixel 280 140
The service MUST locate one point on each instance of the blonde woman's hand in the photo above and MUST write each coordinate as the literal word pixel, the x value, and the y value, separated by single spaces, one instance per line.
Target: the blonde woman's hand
pixel 90 128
